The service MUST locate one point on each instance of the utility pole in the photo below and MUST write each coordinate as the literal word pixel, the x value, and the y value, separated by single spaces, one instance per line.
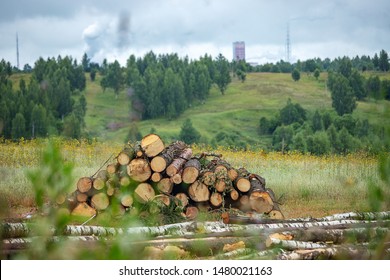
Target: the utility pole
pixel 17 51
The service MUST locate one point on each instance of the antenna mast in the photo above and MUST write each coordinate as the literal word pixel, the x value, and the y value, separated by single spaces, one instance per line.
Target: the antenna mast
pixel 17 51
pixel 288 45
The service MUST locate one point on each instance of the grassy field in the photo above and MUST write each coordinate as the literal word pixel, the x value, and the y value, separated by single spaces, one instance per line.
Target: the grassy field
pixel 307 185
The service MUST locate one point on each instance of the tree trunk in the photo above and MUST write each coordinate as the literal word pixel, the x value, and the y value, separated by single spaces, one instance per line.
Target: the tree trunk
pixel 84 184
pixel 139 170
pixel 178 163
pixel 191 171
pixel 152 145
pixel 198 192
pixel 144 193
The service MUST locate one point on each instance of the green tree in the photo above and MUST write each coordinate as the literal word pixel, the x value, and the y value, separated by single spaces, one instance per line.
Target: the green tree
pixel 317 122
pixel 343 98
pixel 345 67
pixel 296 75
pixel 188 133
pixel 113 78
pixel 317 73
pixel 358 85
pixel 373 87
pixel 383 62
pixel 318 143
pixel 282 138
pixel 18 126
pixel 85 61
pixel 292 113
pixel 38 121
pixel 222 75
pixel 72 127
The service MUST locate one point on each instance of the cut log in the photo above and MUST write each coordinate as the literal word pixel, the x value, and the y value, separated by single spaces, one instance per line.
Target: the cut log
pixel 143 193
pixel 100 201
pixel 220 184
pixel 84 210
pixel 244 204
pixel 60 198
pixel 181 199
pixel 127 200
pixel 98 183
pixel 160 162
pixel 198 192
pixel 243 184
pixel 232 174
pixel 81 197
pixel 162 198
pixel 156 177
pixel 125 156
pixel 152 145
pixel 234 195
pixel 216 199
pixel 177 178
pixel 207 177
pixel 261 202
pixel 139 170
pixel 84 184
pixel 221 171
pixel 191 171
pixel 125 181
pixel 178 163
pixel 276 214
pixel 111 169
pixel 192 212
pixel 165 186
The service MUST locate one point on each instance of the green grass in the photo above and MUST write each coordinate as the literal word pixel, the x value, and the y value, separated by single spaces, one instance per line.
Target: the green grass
pixel 238 111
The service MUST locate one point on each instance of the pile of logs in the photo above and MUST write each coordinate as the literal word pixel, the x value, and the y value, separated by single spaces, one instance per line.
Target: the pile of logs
pixel 149 175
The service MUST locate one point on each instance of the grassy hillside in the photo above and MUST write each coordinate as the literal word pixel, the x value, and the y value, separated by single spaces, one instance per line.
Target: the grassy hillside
pixel 238 111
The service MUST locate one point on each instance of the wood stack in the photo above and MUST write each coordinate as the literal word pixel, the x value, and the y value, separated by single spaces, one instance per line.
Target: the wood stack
pixel 150 175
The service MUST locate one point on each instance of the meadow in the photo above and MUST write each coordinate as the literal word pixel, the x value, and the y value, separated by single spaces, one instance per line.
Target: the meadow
pixel 306 185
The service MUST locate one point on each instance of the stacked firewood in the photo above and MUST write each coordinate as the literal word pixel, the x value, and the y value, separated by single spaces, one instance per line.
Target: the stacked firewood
pixel 148 175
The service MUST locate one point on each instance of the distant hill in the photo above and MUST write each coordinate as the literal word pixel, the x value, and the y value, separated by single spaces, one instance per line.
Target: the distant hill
pixel 236 113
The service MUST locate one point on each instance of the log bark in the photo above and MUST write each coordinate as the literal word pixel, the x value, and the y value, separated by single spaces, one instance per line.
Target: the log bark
pixel 144 192
pixel 84 184
pixel 152 145
pixel 178 163
pixel 160 162
pixel 139 170
pixel 340 252
pixel 100 201
pixel 198 192
pixel 191 171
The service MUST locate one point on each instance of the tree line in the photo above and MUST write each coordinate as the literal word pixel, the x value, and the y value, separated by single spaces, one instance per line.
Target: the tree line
pixel 50 103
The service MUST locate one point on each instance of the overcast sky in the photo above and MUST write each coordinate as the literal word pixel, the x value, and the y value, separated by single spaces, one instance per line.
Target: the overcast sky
pixel 117 28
